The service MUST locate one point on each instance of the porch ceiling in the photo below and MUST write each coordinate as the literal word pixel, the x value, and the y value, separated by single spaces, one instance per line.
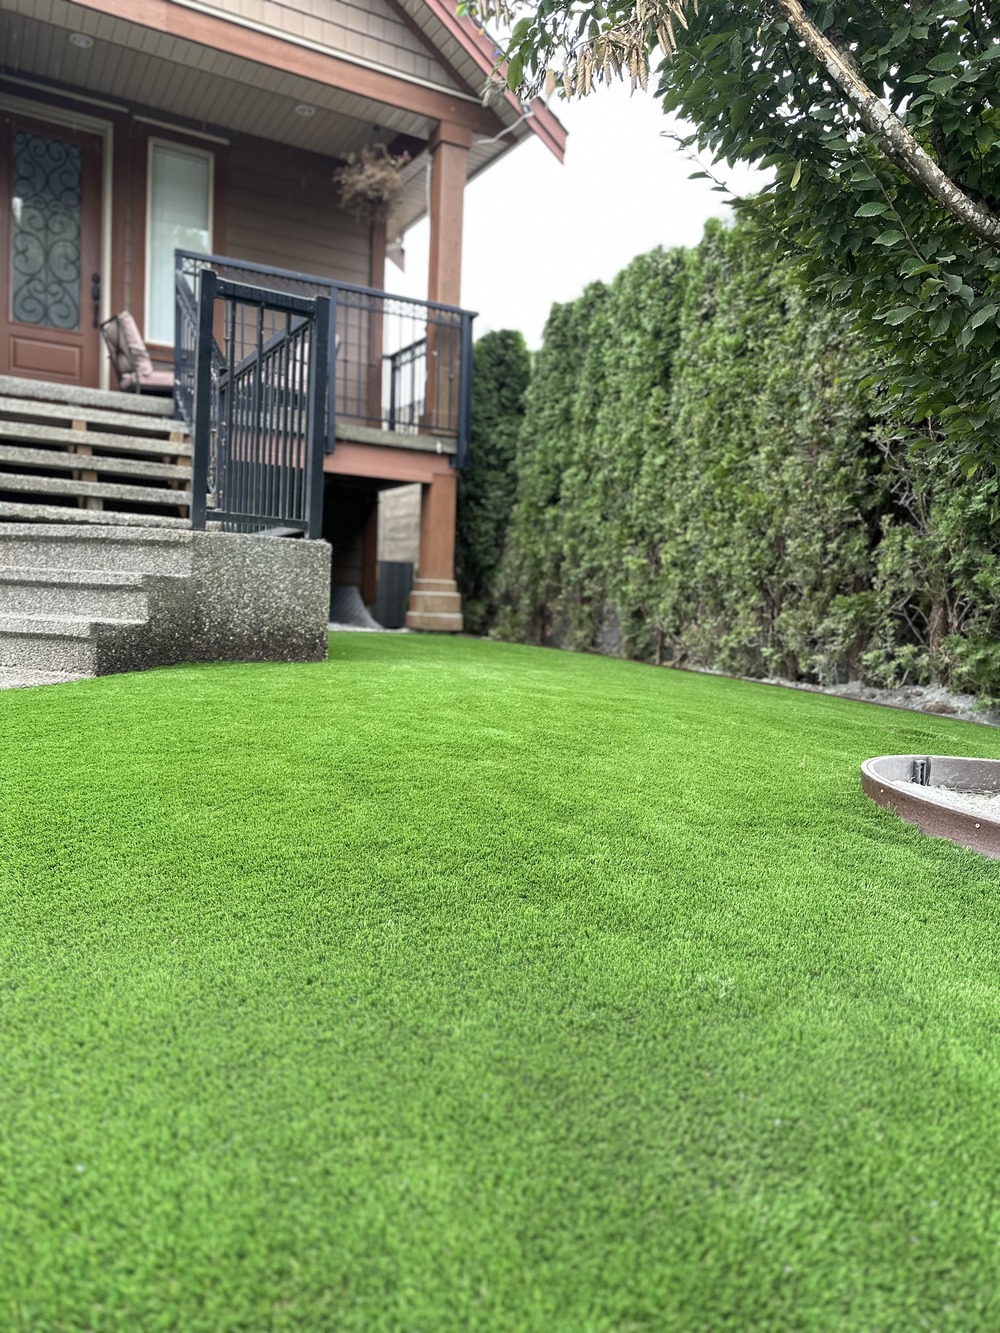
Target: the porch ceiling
pixel 146 69
pixel 197 86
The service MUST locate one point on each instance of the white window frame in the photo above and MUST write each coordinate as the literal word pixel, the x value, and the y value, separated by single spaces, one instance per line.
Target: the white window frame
pixel 181 148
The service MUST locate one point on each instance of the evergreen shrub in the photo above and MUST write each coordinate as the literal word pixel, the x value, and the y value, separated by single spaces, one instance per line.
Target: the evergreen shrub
pixel 703 480
pixel 486 488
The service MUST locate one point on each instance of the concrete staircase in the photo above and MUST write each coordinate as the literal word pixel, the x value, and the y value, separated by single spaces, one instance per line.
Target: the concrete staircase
pixel 77 601
pixel 100 571
pixel 94 495
pixel 73 455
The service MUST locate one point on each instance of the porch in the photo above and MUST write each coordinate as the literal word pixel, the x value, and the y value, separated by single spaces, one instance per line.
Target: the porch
pixel 129 131
pixel 297 400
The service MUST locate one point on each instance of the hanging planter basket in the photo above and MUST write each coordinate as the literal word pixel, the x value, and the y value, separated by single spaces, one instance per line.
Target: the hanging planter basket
pixel 370 183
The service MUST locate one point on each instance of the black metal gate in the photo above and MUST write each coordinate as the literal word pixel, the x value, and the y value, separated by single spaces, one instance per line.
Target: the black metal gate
pixel 252 370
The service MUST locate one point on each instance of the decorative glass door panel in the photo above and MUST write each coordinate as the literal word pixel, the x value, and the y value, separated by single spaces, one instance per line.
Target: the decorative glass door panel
pixel 46 217
pixel 50 228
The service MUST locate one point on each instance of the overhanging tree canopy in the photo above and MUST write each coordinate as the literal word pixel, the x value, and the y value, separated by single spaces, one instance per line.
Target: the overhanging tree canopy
pixel 881 122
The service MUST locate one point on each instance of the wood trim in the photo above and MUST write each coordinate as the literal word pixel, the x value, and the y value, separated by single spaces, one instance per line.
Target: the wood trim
pixel 456 135
pixel 265 49
pixel 542 121
pixel 382 464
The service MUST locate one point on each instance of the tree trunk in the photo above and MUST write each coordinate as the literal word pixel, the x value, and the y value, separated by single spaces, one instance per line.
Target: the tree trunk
pixel 937 632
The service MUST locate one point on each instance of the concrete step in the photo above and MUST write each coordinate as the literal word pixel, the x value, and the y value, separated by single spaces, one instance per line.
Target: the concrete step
pixel 102 490
pixel 76 592
pixel 64 414
pixel 22 678
pixel 16 386
pixel 435 604
pixel 443 622
pixel 449 603
pixel 49 643
pixel 109 548
pixel 33 432
pixel 11 510
pixel 16 456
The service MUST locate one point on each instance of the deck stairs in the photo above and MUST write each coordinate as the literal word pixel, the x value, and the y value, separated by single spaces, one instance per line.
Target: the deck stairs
pixel 73 455
pixel 94 495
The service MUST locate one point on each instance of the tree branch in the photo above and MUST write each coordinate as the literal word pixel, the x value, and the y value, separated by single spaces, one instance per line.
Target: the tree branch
pixel 900 145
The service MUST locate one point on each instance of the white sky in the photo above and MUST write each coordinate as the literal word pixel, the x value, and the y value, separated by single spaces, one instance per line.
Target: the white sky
pixel 536 232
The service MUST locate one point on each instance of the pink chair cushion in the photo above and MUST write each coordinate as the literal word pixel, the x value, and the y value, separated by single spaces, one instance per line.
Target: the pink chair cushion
pixel 155 379
pixel 125 341
pixel 128 350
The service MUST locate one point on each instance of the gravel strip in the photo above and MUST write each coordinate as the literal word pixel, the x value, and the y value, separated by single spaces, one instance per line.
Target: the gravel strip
pixel 976 803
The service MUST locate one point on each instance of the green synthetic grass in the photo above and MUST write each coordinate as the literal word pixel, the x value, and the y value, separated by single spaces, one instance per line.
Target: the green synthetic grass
pixel 451 985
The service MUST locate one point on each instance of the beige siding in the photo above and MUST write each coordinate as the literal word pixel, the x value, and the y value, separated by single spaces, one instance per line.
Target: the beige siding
pixel 282 211
pixel 369 30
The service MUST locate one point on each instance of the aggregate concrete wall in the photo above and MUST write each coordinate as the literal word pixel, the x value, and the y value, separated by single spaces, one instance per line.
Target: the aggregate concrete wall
pixel 246 599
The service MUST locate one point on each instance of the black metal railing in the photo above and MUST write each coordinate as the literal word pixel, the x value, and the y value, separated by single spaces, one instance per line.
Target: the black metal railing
pixel 396 364
pixel 407 386
pixel 251 376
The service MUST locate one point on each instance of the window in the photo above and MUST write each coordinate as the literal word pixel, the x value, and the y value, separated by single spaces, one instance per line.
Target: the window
pixel 179 218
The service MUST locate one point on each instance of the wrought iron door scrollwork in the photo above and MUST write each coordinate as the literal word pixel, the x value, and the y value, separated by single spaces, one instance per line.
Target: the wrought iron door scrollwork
pixel 45 253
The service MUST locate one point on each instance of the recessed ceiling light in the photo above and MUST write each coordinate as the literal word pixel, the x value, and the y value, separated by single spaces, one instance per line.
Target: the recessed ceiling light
pixel 304 109
pixel 81 40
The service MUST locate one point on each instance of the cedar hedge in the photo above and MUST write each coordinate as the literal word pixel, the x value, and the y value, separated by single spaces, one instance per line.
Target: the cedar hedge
pixel 704 477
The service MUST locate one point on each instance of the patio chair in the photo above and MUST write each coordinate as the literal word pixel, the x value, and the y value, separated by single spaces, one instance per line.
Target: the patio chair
pixel 130 357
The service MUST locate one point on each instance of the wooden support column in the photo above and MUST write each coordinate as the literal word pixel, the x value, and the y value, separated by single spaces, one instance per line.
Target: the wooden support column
pixel 449 150
pixel 435 603
pixel 376 330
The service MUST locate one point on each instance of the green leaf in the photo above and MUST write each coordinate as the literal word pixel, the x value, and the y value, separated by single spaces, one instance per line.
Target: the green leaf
pixel 515 73
pixel 890 238
pixel 872 210
pixel 898 315
pixel 521 29
pixel 982 315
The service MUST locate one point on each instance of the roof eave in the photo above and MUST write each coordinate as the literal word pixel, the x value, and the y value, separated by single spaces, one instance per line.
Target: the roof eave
pixel 541 120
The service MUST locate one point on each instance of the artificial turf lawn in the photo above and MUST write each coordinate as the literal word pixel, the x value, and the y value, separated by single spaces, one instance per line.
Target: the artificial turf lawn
pixel 453 985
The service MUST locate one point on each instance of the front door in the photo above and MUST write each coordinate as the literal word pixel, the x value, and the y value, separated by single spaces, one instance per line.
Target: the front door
pixel 50 245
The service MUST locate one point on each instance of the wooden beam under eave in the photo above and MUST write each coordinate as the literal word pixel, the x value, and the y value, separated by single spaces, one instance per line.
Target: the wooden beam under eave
pixel 237 39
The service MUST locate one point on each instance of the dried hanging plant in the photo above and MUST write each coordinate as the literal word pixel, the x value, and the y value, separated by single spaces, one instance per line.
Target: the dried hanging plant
pixel 370 183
